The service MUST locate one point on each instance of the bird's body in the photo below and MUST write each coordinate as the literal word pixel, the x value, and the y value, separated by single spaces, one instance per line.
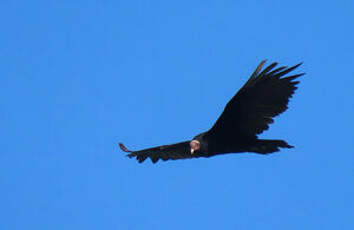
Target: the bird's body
pixel 264 96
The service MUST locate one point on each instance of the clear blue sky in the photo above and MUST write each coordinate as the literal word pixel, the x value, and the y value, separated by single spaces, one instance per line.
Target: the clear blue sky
pixel 77 77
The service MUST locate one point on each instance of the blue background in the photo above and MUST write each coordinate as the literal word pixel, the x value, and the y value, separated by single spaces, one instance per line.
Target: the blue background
pixel 78 77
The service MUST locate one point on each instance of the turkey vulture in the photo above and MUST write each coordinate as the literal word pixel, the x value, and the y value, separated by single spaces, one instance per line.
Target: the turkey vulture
pixel 249 113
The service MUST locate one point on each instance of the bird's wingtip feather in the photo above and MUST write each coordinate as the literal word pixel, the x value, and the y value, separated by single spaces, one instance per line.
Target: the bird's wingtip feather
pixel 297 65
pixel 258 69
pixel 123 148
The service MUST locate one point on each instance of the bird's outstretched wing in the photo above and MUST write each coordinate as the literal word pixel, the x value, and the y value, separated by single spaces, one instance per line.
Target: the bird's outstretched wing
pixel 264 96
pixel 165 152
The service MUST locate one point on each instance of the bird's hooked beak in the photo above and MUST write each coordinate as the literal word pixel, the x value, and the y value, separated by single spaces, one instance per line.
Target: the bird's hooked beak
pixel 195 146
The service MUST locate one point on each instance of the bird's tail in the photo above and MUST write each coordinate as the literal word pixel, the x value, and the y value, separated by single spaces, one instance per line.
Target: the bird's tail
pixel 269 146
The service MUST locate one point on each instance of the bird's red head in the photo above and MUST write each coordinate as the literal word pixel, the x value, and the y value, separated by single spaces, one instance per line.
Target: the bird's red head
pixel 195 146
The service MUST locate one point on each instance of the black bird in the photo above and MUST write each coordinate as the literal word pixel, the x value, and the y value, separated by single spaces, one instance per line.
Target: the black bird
pixel 249 113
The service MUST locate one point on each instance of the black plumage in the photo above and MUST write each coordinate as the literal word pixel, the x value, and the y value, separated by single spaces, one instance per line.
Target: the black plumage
pixel 265 95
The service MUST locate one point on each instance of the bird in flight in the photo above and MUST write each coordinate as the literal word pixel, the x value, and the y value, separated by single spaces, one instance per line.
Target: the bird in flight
pixel 264 96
